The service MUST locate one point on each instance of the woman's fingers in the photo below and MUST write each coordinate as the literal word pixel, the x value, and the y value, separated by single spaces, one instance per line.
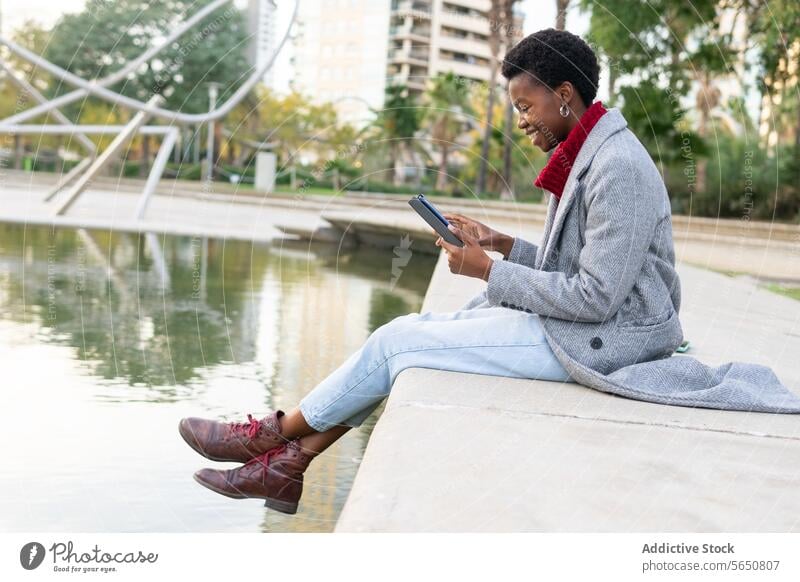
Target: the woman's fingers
pixel 462 221
pixel 468 225
pixel 455 217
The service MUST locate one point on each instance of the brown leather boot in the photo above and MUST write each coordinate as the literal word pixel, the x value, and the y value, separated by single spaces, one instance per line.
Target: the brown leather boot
pixel 276 477
pixel 233 441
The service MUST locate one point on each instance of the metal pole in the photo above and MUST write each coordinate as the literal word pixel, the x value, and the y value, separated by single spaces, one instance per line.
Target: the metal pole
pixel 187 145
pixel 87 129
pixel 19 151
pixel 67 178
pixel 213 93
pixel 23 84
pixel 196 144
pixel 176 159
pixel 156 171
pixel 103 159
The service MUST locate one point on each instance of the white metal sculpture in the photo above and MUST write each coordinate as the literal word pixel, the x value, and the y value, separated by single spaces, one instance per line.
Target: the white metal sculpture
pixel 88 168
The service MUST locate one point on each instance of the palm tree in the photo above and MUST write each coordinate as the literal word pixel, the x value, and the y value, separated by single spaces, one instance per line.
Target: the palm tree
pixel 501 36
pixel 561 14
pixel 509 28
pixel 707 99
pixel 495 34
pixel 447 103
pixel 395 126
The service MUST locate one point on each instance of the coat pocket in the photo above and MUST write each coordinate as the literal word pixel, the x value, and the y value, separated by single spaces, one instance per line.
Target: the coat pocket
pixel 649 324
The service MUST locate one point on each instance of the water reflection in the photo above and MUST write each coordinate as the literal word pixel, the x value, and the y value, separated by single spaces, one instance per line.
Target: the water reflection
pixel 107 339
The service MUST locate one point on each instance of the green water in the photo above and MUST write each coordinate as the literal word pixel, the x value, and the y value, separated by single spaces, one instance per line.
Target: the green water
pixel 108 339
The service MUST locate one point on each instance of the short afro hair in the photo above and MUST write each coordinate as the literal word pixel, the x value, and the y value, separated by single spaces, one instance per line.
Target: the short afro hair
pixel 552 57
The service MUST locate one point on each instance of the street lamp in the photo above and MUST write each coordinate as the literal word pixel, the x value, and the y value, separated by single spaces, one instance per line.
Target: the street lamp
pixel 213 93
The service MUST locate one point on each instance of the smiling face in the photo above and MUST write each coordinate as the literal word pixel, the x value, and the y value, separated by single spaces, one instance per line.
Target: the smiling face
pixel 538 107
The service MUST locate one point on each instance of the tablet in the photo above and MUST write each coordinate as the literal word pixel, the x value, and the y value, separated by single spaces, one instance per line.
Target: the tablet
pixel 434 218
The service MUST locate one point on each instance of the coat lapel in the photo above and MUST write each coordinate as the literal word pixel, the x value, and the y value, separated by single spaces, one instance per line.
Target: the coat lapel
pixel 606 126
pixel 552 206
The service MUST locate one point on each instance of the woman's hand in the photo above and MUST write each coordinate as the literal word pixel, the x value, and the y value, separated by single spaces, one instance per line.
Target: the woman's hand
pixel 486 237
pixel 470 260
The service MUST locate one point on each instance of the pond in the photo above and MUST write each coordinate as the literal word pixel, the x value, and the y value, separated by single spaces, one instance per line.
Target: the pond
pixel 108 339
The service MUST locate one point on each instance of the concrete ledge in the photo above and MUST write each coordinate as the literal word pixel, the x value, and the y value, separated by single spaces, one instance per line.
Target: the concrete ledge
pixel 719 230
pixel 462 452
pixel 370 228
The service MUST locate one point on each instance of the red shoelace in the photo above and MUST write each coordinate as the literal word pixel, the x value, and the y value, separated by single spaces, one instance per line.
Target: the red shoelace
pixel 249 428
pixel 265 457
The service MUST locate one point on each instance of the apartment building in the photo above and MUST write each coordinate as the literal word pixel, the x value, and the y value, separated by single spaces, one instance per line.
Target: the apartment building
pixel 427 37
pixel 347 51
pixel 340 54
pixel 260 17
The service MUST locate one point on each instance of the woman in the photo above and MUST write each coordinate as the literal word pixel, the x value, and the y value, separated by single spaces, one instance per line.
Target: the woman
pixel 597 302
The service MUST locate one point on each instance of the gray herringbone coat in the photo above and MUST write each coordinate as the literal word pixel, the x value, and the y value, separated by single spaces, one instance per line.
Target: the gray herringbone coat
pixel 604 284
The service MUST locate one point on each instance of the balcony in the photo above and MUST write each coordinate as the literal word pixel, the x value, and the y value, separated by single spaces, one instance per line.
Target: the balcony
pixel 468 70
pixel 468 59
pixel 416 83
pixel 416 9
pixel 414 33
pixel 413 57
pixel 478 25
pixel 465 46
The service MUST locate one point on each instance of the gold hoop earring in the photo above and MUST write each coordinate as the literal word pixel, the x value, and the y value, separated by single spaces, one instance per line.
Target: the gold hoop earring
pixel 564 109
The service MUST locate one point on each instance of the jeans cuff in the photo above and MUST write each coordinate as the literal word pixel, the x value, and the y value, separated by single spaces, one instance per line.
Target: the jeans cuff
pixel 312 420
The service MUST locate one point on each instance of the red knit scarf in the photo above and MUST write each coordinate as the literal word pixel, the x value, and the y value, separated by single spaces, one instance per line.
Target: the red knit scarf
pixel 554 175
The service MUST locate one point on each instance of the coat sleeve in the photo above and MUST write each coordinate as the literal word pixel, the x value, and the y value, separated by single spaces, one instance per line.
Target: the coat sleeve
pixel 523 252
pixel 622 212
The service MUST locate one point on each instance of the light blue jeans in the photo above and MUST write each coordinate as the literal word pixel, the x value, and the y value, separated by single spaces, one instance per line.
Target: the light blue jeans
pixel 494 341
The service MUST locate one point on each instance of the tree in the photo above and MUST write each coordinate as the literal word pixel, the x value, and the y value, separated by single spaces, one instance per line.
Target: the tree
pixel 775 29
pixel 512 32
pixel 501 33
pixel 495 33
pixel 447 104
pixel 12 99
pixel 667 46
pixel 106 35
pixel 525 157
pixel 396 125
pixel 711 59
pixel 293 122
pixel 561 14
pixel 32 36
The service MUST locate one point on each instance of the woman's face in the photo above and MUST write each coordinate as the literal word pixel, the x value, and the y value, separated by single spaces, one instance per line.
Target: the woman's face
pixel 538 107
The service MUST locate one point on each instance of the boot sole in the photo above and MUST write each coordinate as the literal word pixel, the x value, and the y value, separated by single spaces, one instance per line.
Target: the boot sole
pixel 276 504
